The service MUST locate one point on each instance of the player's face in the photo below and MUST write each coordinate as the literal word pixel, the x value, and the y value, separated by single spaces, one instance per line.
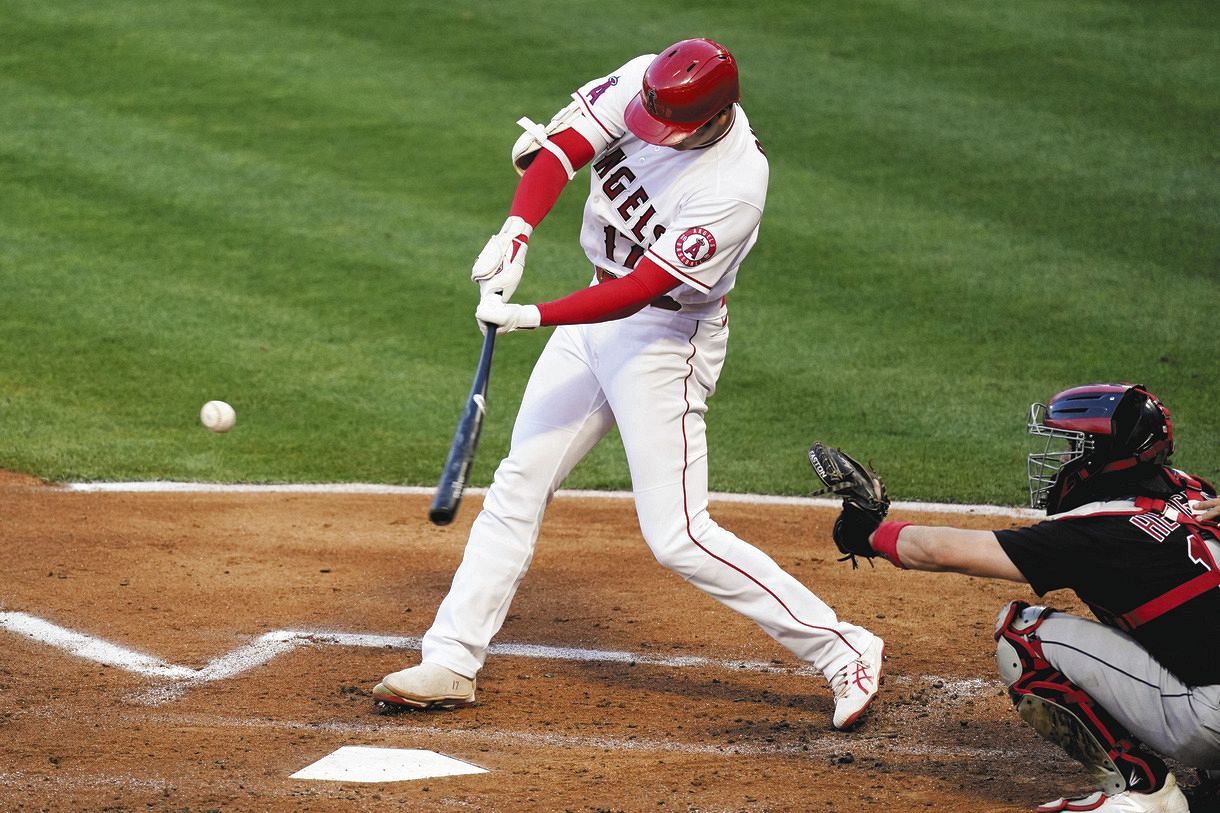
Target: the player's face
pixel 708 132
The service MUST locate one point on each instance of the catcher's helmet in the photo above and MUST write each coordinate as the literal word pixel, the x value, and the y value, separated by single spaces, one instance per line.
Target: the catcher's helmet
pixel 1106 427
pixel 684 88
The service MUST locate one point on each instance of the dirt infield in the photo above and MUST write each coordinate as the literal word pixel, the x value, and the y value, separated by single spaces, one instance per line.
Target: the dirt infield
pixel 706 714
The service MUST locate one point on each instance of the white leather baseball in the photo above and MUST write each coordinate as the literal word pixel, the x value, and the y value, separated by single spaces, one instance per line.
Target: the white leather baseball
pixel 218 416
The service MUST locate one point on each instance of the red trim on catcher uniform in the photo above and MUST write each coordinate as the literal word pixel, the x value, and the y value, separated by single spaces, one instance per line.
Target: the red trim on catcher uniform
pixel 1167 601
pixel 1085 708
pixel 686 507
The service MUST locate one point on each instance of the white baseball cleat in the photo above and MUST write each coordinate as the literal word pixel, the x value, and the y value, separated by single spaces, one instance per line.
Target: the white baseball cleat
pixel 855 685
pixel 427 686
pixel 1168 799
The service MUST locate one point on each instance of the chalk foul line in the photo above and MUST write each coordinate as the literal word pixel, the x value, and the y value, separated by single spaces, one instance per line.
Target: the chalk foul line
pixel 171 487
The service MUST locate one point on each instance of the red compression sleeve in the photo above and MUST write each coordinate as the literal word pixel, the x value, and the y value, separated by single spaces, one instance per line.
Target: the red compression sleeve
pixel 545 178
pixel 612 299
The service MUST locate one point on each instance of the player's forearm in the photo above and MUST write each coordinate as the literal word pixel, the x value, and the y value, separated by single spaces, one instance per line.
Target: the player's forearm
pixel 545 179
pixel 974 553
pixel 612 299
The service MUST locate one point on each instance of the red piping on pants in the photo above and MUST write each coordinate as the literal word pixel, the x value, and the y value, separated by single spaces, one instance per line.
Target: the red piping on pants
pixel 686 507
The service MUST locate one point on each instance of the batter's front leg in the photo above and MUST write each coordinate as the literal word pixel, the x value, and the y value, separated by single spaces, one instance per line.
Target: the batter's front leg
pixel 660 414
pixel 684 538
pixel 563 415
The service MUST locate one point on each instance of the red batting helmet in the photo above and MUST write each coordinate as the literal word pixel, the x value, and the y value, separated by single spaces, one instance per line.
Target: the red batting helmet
pixel 684 88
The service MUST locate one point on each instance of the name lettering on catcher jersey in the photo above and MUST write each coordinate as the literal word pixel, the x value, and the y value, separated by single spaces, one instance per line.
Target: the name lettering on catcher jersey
pixel 1159 525
pixel 1156 526
pixel 1199 553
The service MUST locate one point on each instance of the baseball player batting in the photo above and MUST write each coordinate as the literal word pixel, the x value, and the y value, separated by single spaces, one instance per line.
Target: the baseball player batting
pixel 1137 541
pixel 677 188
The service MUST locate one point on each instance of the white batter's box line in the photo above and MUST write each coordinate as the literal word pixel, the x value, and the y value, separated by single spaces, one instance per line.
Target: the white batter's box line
pixel 271 645
pixel 160 487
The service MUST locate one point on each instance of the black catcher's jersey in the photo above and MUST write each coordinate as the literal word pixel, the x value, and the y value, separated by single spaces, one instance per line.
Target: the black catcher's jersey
pixel 1146 566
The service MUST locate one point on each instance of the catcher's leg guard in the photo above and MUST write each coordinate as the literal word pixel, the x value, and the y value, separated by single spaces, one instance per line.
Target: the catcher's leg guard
pixel 1063 713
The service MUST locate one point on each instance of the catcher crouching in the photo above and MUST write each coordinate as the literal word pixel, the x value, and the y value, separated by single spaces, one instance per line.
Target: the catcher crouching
pixel 1137 541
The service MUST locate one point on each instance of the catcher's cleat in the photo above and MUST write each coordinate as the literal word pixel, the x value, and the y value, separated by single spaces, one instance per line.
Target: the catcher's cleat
pixel 855 685
pixel 427 686
pixel 1169 799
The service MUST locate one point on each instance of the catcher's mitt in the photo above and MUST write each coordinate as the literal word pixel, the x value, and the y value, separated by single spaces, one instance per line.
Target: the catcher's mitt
pixel 865 502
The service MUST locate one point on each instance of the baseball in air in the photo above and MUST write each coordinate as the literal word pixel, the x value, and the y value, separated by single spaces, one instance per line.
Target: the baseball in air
pixel 218 416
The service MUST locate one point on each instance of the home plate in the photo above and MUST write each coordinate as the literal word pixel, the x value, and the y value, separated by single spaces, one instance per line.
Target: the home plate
pixel 359 763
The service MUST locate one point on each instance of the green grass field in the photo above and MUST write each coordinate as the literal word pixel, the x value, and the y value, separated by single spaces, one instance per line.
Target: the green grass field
pixel 972 206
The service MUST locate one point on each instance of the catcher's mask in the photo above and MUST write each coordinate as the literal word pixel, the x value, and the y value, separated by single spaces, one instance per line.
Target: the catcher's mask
pixel 1092 430
pixel 684 88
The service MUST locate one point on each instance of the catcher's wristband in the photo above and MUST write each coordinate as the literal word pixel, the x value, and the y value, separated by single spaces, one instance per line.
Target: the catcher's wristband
pixel 885 541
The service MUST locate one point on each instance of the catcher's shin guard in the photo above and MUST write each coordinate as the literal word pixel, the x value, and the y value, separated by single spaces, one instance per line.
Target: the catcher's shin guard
pixel 1063 713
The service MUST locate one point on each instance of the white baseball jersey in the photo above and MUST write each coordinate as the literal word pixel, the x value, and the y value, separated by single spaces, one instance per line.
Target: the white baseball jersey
pixel 694 212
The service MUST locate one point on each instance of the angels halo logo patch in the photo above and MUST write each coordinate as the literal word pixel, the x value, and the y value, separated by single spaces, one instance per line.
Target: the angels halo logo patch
pixel 695 246
pixel 596 93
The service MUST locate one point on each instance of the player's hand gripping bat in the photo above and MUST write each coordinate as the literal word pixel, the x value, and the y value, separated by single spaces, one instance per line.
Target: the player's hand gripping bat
pixel 465 440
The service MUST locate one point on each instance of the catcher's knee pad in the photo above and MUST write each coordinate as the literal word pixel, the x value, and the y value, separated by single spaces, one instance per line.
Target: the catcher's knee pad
pixel 1062 712
pixel 1018 651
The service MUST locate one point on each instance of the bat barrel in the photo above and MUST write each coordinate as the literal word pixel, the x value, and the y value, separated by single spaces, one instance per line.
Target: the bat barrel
pixel 465 441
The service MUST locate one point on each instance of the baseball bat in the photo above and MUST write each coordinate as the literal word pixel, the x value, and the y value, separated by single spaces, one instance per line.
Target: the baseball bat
pixel 465 440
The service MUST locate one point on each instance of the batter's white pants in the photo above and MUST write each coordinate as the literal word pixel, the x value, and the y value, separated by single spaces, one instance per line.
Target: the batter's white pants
pixel 652 374
pixel 1112 668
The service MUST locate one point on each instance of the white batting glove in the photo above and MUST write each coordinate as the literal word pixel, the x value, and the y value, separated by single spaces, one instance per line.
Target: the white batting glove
pixel 501 263
pixel 506 316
